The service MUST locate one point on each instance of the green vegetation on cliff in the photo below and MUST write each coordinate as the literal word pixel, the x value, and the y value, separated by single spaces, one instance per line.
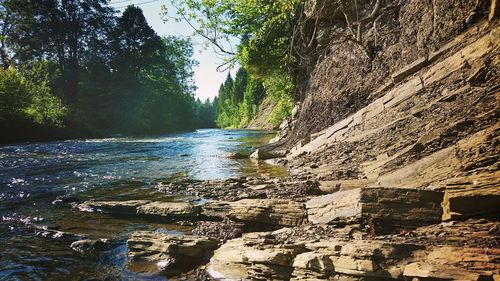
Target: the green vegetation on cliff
pixel 265 31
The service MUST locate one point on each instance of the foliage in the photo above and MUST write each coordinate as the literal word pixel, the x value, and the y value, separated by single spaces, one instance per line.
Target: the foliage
pixel 94 73
pixel 278 88
pixel 26 96
pixel 238 100
pixel 264 29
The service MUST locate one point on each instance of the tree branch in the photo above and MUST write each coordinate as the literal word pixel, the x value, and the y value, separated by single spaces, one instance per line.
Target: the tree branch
pixel 198 31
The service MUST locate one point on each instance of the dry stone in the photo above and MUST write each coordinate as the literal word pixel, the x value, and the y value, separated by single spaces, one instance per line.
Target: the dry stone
pixel 255 256
pixel 401 208
pixel 280 212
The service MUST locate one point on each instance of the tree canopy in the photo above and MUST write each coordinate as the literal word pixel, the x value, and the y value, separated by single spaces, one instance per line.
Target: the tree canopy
pixel 265 32
pixel 77 68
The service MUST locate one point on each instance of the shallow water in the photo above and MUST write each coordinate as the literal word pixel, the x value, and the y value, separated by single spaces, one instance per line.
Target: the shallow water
pixel 34 175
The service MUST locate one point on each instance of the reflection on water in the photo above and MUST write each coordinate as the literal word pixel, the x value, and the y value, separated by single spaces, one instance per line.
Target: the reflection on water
pixel 33 176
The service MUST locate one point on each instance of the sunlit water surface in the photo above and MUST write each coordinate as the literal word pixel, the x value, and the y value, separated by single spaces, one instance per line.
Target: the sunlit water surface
pixel 34 175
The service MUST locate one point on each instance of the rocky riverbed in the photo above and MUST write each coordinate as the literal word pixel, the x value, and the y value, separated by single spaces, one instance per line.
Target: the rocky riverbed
pixel 288 229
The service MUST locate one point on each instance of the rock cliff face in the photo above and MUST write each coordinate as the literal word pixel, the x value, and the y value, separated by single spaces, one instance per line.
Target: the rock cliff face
pixel 414 104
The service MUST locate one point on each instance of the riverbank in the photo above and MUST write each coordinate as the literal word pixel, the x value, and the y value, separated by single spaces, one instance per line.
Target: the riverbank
pixel 132 208
pixel 39 182
pixel 291 229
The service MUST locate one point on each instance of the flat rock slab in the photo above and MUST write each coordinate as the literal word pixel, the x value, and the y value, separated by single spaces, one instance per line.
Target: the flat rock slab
pixel 280 212
pixel 128 207
pixel 169 209
pixel 170 253
pixel 143 207
pixel 472 196
pixel 402 208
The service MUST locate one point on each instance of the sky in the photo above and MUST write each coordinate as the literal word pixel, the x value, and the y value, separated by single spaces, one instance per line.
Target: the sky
pixel 206 77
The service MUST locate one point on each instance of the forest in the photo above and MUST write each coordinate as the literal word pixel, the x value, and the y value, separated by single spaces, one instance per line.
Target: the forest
pixel 75 69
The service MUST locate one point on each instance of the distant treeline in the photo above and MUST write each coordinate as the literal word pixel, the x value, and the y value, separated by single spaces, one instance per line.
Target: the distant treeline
pixel 73 68
pixel 267 33
pixel 239 99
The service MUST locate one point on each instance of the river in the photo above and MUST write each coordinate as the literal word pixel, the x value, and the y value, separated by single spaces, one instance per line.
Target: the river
pixel 35 176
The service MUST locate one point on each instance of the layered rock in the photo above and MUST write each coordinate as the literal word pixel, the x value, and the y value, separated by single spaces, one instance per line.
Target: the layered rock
pixel 255 256
pixel 452 263
pixel 433 125
pixel 401 39
pixel 281 255
pixel 476 195
pixel 167 210
pixel 170 253
pixel 277 212
pixel 357 258
pixel 384 208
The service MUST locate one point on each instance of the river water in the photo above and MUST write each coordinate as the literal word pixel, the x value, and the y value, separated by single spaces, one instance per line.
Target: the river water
pixel 34 176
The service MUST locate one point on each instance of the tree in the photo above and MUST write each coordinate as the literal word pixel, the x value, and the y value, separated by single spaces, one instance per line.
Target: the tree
pixel 263 27
pixel 114 75
pixel 265 30
pixel 63 30
pixel 25 96
pixel 135 44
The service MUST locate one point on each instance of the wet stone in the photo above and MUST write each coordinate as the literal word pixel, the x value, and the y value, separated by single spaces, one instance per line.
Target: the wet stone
pixel 170 210
pixel 89 246
pixel 172 254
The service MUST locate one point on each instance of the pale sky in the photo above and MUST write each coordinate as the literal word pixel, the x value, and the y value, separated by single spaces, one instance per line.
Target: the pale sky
pixel 206 76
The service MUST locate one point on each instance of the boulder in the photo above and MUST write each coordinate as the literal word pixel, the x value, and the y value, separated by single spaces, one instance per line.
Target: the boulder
pixel 277 212
pixel 170 253
pixel 255 256
pixel 386 208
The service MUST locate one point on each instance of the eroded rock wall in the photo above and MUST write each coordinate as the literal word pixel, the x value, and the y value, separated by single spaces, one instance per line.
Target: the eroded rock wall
pixel 340 76
pixel 416 107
